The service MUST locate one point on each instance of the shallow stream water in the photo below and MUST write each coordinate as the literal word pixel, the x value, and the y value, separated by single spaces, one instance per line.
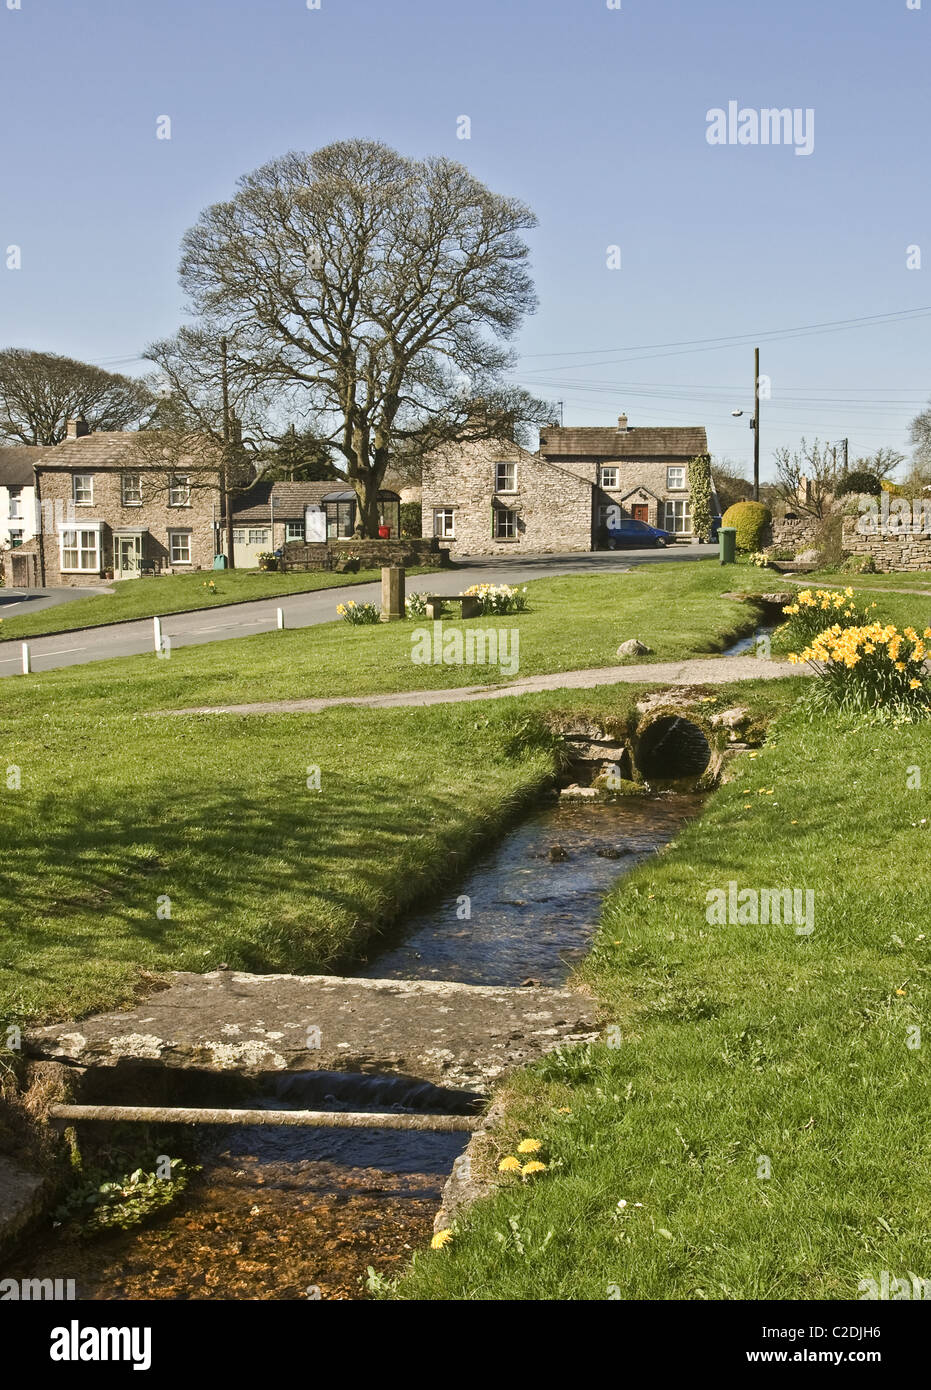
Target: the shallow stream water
pixel 289 1213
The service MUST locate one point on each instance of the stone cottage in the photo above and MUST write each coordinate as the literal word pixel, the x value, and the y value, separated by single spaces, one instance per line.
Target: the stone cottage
pixel 269 515
pixel 487 498
pixel 112 507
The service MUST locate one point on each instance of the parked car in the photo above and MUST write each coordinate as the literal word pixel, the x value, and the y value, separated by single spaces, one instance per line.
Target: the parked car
pixel 630 532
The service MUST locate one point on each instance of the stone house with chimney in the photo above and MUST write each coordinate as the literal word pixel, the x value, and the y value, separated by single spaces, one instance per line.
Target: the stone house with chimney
pixel 112 507
pixel 487 498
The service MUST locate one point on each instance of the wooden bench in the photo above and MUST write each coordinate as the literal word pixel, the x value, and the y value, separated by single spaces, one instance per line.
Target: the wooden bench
pixel 471 604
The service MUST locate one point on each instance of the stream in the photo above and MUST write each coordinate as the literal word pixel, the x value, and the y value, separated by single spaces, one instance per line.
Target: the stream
pixel 289 1213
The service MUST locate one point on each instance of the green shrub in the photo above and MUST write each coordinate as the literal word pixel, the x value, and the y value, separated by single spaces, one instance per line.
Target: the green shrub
pixel 861 481
pixel 859 564
pixel 700 496
pixel 751 520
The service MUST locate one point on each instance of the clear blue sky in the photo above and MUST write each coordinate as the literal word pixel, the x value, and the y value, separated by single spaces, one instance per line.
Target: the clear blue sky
pixel 596 117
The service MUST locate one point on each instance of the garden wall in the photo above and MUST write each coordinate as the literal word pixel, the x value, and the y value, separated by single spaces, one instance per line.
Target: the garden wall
pixel 890 551
pixel 323 555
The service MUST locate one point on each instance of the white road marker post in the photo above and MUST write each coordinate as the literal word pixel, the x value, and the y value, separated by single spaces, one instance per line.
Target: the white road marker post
pixel 27 659
pixel 157 633
pixel 280 612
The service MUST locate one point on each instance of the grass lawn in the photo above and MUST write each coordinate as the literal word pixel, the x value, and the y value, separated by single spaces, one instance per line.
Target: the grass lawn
pixel 740 1050
pixel 172 593
pixel 913 579
pixel 574 622
pixel 115 811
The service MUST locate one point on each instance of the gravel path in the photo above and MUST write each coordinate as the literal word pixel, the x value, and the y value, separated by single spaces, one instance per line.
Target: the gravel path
pixel 716 670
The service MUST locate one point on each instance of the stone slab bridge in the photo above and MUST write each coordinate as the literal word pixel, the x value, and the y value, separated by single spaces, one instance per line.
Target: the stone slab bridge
pixel 454 1036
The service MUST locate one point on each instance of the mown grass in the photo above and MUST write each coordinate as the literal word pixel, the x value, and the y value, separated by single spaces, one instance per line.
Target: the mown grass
pixel 738 1045
pixel 116 814
pixel 912 579
pixel 573 622
pixel 172 593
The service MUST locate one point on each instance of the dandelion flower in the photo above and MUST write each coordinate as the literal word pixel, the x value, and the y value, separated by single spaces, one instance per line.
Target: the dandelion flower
pixel 509 1165
pixel 532 1167
pixel 441 1239
pixel 529 1146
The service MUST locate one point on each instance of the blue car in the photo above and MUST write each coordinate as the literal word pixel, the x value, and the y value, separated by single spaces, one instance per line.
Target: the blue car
pixel 630 532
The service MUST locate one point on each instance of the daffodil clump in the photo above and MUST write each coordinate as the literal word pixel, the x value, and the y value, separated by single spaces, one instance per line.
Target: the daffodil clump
pixel 500 598
pixel 358 613
pixel 871 667
pixel 813 609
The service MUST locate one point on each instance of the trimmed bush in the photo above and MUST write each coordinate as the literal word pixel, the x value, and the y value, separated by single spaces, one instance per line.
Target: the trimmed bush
pixel 751 520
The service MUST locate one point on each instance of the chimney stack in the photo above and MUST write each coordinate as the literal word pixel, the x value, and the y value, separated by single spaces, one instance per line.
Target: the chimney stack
pixel 77 428
pixel 622 422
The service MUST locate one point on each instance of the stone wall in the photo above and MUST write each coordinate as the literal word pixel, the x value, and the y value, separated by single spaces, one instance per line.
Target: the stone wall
pixel 889 552
pixel 154 515
pixel 553 506
pixel 323 555
pixel 797 532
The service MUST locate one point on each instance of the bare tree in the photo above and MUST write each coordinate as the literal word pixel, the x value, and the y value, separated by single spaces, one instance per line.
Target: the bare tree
pixel 377 291
pixel 41 391
pixel 920 436
pixel 882 462
pixel 806 479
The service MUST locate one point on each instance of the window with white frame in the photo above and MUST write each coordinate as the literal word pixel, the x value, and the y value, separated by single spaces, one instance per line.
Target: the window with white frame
pixel 675 479
pixel 239 537
pixel 444 523
pixel 258 536
pixel 179 490
pixel 505 524
pixel 505 477
pixel 679 517
pixel 610 477
pixel 179 547
pixel 82 489
pixel 132 489
pixel 16 503
pixel 16 539
pixel 294 530
pixel 79 550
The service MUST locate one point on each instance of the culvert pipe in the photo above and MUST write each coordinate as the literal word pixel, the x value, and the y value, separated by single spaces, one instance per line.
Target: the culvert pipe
pixel 671 747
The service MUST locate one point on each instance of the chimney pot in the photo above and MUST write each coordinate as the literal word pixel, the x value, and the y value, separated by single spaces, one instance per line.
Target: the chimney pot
pixel 77 428
pixel 622 422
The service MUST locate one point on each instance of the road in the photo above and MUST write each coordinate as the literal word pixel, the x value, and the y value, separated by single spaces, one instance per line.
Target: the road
pixel 300 610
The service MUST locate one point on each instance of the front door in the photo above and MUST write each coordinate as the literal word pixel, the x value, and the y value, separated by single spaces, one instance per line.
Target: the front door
pixel 640 512
pixel 128 557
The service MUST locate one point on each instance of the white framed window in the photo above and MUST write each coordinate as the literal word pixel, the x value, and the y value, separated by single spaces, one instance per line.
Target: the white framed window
pixel 239 537
pixel 505 524
pixel 82 489
pixel 610 477
pixel 79 550
pixel 505 477
pixel 294 530
pixel 131 484
pixel 679 517
pixel 16 503
pixel 258 536
pixel 675 479
pixel 16 539
pixel 179 547
pixel 179 490
pixel 444 523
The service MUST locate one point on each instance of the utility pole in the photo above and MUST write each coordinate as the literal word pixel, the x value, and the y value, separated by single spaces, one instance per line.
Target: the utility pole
pixel 227 495
pixel 756 424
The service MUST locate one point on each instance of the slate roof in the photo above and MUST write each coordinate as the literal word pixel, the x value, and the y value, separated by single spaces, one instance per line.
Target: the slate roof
pixel 100 450
pixel 594 441
pixel 18 464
